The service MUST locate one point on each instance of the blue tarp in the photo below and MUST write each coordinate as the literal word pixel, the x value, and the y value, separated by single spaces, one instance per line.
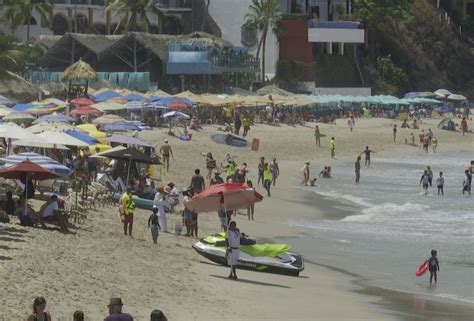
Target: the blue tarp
pixel 134 97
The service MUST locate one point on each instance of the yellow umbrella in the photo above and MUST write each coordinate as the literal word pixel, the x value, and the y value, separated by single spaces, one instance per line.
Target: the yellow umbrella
pixel 91 129
pixel 48 101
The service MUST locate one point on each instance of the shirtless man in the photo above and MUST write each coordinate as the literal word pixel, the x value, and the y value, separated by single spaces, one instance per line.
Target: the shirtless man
pixel 357 169
pixel 367 152
pixel 166 151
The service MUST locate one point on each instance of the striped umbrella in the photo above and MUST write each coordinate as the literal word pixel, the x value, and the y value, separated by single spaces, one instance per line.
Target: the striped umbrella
pixel 44 161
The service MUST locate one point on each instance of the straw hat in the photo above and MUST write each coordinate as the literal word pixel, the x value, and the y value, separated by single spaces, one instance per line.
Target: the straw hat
pixel 166 190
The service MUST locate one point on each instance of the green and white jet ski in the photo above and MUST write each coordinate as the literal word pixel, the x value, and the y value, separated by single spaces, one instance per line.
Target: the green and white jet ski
pixel 270 258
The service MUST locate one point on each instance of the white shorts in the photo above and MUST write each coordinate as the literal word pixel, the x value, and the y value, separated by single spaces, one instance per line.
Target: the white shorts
pixel 233 257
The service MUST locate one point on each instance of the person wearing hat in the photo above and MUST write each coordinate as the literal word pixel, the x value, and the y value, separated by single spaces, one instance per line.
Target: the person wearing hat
pixel 166 151
pixel 128 208
pixel 305 170
pixel 217 179
pixel 161 202
pixel 115 311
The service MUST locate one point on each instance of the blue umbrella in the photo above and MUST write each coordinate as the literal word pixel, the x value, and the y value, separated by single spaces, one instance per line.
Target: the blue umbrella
pixel 106 95
pixel 166 101
pixel 82 136
pixel 443 109
pixel 134 97
pixel 58 117
pixel 120 127
pixel 23 107
pixel 43 161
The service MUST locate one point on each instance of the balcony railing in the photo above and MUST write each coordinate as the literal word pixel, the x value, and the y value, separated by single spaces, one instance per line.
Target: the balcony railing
pixel 174 4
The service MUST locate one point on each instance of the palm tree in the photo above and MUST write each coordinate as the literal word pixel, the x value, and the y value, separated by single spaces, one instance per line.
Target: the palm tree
pixel 20 13
pixel 264 15
pixel 134 14
pixel 10 58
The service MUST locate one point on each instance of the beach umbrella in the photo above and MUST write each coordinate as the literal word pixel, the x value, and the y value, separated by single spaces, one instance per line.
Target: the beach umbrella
pixel 224 197
pixel 159 94
pixel 61 138
pixel 108 106
pixel 19 117
pixel 126 154
pixel 44 161
pixel 54 118
pixel 47 126
pixel 108 119
pixel 83 101
pixel 175 115
pixel 121 126
pixel 39 143
pixel 27 170
pixel 4 110
pixel 137 104
pixel 6 101
pixel 51 101
pixel 456 97
pixel 23 107
pixel 443 109
pixel 175 102
pixel 106 95
pixel 442 93
pixel 128 140
pixel 133 97
pixel 85 137
pixel 38 111
pixel 86 110
pixel 13 131
pixel 92 130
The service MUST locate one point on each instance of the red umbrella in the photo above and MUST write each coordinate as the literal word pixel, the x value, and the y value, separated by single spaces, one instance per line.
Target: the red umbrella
pixel 83 101
pixel 86 110
pixel 224 197
pixel 177 105
pixel 32 171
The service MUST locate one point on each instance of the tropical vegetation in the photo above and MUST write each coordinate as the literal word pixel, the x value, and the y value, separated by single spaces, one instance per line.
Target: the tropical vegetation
pixel 264 16
pixel 20 12
pixel 12 58
pixel 134 14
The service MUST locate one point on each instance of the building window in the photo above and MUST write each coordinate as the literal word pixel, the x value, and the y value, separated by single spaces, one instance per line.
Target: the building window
pixel 33 22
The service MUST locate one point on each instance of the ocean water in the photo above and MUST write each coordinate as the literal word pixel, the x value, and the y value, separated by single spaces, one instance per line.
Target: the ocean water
pixel 383 228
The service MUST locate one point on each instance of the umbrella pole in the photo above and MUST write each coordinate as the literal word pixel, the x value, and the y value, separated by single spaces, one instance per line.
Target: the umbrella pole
pixel 128 171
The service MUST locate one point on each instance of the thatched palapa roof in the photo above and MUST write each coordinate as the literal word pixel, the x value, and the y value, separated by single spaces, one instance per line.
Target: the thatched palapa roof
pixel 80 70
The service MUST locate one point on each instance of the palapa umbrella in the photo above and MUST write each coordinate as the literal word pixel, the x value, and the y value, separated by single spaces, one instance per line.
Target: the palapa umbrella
pixel 30 170
pixel 19 117
pixel 82 101
pixel 86 110
pixel 108 119
pixel 43 161
pixel 224 197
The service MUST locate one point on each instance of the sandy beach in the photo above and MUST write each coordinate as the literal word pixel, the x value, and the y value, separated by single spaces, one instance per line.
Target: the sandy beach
pixel 84 269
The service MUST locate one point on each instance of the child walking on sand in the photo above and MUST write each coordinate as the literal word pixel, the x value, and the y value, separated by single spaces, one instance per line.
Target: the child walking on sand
pixel 433 266
pixel 154 225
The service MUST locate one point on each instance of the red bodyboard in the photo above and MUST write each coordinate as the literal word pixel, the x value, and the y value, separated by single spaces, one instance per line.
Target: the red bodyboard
pixel 422 268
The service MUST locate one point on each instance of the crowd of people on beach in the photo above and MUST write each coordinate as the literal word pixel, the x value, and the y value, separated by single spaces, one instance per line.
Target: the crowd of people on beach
pixel 39 312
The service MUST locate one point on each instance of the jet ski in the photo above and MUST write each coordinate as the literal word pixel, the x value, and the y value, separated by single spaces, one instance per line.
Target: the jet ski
pixel 270 258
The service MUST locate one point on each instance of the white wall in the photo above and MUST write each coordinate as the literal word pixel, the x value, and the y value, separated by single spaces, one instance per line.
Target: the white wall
pixel 336 35
pixel 230 17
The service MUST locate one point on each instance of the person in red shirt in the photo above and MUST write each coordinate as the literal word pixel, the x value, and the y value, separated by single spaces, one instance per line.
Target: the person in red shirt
pixel 463 125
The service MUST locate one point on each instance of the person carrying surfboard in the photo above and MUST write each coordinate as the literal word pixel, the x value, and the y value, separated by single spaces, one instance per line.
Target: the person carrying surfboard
pixel 433 266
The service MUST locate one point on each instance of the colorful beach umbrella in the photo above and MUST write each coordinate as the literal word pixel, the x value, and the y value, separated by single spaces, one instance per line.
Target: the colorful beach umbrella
pixel 48 126
pixel 43 161
pixel 122 126
pixel 108 119
pixel 61 138
pixel 19 117
pixel 133 97
pixel 82 101
pixel 109 106
pixel 82 136
pixel 106 95
pixel 86 110
pixel 128 140
pixel 224 197
pixel 54 118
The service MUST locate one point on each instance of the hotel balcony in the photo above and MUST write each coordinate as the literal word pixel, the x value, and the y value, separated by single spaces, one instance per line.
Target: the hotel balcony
pixel 165 5
pixel 335 31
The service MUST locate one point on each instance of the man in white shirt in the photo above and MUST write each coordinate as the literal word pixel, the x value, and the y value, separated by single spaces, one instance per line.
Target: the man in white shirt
pixel 161 201
pixel 233 252
pixel 50 212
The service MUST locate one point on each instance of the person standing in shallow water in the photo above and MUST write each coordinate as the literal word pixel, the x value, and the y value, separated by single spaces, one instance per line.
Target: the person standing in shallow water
pixel 367 152
pixel 357 170
pixel 394 133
